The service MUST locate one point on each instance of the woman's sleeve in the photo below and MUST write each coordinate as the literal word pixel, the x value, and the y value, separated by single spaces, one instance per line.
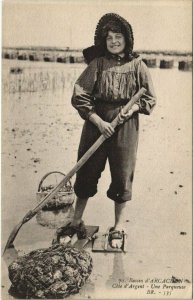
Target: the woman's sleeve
pixel 148 100
pixel 82 98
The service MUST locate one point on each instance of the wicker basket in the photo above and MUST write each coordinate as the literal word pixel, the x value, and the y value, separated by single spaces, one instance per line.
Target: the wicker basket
pixel 55 218
pixel 59 210
pixel 64 197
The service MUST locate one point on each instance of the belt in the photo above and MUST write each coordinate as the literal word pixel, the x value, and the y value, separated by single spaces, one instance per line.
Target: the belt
pixel 114 102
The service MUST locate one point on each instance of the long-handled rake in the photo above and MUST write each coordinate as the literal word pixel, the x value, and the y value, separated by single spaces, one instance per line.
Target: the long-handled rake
pixel 78 165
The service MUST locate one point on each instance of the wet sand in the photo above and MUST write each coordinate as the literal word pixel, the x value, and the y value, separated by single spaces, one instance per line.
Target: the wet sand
pixel 40 133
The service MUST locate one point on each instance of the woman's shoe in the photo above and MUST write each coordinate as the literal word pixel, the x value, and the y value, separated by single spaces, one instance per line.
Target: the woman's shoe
pixel 116 235
pixel 69 230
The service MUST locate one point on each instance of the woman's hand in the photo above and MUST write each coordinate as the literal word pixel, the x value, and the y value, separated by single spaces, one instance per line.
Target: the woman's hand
pixel 124 117
pixel 105 128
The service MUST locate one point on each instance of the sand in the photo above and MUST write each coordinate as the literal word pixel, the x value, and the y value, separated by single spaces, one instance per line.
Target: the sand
pixel 40 133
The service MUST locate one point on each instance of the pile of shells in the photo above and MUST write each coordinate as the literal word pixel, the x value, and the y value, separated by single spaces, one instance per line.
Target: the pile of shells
pixel 52 273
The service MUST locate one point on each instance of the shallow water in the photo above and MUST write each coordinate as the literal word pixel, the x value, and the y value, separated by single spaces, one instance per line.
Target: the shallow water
pixel 40 133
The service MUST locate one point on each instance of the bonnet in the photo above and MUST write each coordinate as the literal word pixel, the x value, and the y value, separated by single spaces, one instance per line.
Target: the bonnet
pixel 98 49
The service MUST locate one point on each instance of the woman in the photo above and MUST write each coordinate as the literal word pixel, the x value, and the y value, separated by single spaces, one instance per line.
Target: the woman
pixel 113 76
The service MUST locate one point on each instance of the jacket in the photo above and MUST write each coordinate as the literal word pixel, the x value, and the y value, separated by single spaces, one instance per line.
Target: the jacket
pixel 113 79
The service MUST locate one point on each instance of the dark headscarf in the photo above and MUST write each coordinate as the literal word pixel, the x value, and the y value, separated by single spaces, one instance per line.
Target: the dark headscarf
pixel 116 23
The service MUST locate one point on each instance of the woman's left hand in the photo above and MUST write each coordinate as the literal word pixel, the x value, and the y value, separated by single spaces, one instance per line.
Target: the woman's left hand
pixel 124 117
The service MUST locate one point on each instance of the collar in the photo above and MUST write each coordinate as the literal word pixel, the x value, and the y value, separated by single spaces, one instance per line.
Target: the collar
pixel 116 57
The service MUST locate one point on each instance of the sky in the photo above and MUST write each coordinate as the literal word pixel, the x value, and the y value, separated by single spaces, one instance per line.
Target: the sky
pixel 157 24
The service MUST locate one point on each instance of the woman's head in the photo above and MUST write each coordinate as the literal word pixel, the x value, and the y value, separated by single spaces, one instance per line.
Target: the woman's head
pixel 113 29
pixel 115 43
pixel 114 39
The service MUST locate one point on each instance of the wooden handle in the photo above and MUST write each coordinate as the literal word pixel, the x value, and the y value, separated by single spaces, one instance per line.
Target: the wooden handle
pixel 128 106
pixel 69 175
pixel 78 165
pixel 89 153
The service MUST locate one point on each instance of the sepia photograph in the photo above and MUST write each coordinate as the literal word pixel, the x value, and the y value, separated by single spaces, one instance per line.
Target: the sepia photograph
pixel 96 149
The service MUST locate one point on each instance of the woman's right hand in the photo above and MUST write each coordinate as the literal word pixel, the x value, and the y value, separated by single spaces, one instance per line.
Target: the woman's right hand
pixel 105 128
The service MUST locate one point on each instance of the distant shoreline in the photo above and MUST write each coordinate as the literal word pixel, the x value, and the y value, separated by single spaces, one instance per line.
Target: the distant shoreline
pixel 79 51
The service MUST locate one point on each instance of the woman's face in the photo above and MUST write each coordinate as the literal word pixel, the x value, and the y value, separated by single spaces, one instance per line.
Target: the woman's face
pixel 115 42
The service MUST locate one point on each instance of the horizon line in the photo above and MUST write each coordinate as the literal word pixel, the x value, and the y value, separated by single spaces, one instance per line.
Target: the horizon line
pixel 68 48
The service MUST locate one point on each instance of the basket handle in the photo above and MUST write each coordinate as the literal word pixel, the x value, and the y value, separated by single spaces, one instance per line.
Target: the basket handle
pixel 47 174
